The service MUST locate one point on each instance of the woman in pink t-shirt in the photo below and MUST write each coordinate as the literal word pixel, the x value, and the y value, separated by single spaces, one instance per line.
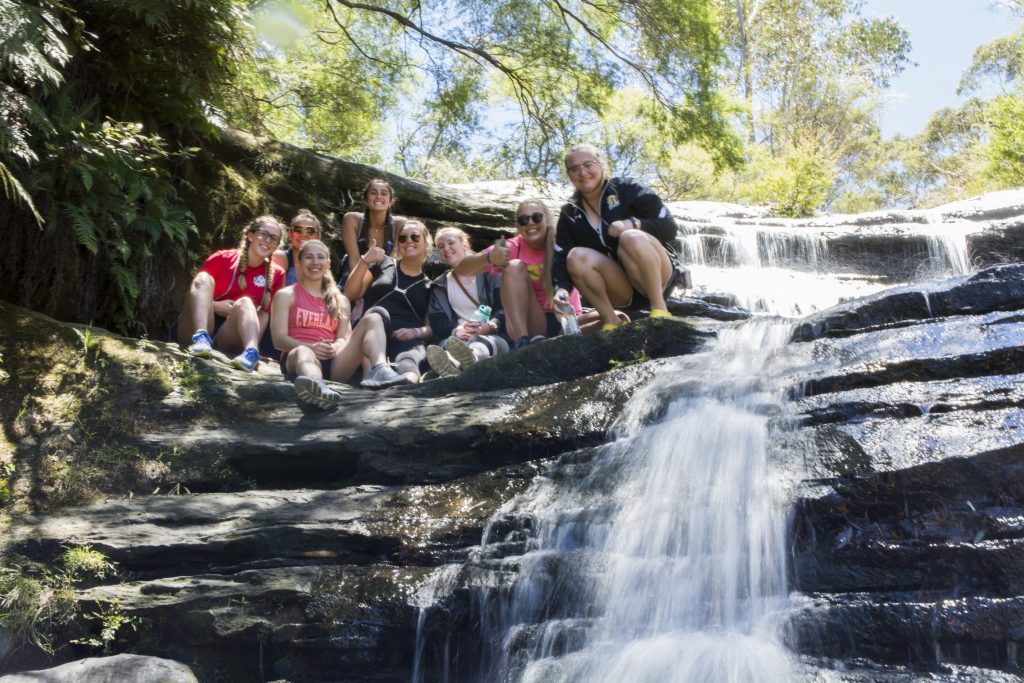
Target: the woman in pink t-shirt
pixel 228 302
pixel 524 262
pixel 311 327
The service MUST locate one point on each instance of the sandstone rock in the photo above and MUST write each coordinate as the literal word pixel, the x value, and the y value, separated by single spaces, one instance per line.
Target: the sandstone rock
pixel 115 669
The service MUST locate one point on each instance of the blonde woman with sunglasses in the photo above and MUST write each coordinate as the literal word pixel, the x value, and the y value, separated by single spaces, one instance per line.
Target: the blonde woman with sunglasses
pixel 524 262
pixel 228 303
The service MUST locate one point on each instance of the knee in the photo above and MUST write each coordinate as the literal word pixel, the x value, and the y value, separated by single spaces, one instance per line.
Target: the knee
pixel 243 306
pixel 577 261
pixel 631 241
pixel 302 354
pixel 202 282
pixel 515 269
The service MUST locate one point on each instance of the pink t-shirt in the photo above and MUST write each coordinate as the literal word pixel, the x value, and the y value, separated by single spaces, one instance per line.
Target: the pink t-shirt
pixel 308 319
pixel 221 267
pixel 533 259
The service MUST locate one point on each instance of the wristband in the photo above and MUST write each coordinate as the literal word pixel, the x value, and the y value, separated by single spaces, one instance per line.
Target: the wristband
pixel 418 333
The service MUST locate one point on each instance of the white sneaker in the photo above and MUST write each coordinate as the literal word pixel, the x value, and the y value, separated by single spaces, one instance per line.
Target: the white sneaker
pixel 381 376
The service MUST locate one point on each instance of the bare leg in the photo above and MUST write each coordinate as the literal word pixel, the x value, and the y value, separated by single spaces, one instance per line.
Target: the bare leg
pixel 302 361
pixel 367 340
pixel 241 329
pixel 601 281
pixel 646 264
pixel 591 321
pixel 197 313
pixel 523 314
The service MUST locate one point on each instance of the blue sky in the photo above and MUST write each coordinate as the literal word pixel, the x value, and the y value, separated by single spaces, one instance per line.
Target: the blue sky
pixel 944 34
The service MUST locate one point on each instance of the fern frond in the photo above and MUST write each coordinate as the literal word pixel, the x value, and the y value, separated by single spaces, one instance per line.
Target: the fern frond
pixel 82 224
pixel 13 189
pixel 125 281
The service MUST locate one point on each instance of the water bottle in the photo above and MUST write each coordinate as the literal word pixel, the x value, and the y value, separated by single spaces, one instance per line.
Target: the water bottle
pixel 566 314
pixel 482 313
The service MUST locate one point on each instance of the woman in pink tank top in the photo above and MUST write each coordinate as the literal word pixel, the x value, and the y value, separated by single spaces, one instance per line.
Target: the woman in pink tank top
pixel 310 326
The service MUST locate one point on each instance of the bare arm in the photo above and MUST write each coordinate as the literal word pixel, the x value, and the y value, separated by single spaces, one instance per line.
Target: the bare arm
pixel 350 223
pixel 279 321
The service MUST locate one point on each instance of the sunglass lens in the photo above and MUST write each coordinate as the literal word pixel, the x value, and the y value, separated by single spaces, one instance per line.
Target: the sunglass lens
pixel 526 219
pixel 415 237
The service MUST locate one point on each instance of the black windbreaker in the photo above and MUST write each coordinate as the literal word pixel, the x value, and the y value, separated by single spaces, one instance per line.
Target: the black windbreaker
pixel 622 198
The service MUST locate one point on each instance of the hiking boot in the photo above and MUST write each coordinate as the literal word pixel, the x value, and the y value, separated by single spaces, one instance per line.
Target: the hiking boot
pixel 202 344
pixel 316 392
pixel 460 352
pixel 440 362
pixel 381 376
pixel 247 360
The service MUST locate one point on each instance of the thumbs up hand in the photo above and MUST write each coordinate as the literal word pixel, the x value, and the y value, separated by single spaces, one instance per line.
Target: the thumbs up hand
pixel 374 254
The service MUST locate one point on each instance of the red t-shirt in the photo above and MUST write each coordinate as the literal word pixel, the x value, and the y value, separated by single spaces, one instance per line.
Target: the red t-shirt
pixel 221 267
pixel 308 319
pixel 533 259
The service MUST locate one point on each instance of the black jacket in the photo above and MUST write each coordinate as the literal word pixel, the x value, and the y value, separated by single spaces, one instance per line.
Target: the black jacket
pixel 440 314
pixel 621 198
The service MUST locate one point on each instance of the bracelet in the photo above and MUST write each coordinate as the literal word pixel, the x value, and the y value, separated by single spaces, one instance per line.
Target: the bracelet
pixel 418 333
pixel 636 223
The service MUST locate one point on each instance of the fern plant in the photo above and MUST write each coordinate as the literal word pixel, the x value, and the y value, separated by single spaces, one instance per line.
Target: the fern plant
pixel 120 200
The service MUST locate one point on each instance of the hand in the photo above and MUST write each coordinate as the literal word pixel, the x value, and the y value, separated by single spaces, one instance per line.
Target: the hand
pixel 466 329
pixel 323 350
pixel 406 333
pixel 616 228
pixel 500 254
pixel 374 254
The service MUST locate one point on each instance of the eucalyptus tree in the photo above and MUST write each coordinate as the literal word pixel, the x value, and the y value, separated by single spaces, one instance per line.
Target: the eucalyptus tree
pixel 530 76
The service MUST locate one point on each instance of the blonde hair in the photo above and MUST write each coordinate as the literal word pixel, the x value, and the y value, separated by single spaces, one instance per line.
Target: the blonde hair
pixel 328 289
pixel 424 233
pixel 458 232
pixel 549 244
pixel 590 149
pixel 243 253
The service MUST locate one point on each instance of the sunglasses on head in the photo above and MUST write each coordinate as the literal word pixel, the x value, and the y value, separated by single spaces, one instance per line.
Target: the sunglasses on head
pixel 527 218
pixel 305 230
pixel 414 236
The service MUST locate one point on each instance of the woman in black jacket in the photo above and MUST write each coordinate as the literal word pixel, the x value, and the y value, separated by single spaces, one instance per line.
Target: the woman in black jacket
pixel 613 240
pixel 454 299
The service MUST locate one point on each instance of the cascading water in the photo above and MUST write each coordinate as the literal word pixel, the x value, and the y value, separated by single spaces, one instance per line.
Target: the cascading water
pixel 662 558
pixel 661 555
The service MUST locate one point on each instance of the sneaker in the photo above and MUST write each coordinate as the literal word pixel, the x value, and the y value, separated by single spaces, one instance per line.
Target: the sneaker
pixel 247 360
pixel 537 339
pixel 520 343
pixel 440 362
pixel 381 376
pixel 316 392
pixel 202 344
pixel 460 352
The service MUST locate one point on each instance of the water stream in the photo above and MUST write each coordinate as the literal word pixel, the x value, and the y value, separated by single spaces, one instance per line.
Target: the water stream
pixel 661 556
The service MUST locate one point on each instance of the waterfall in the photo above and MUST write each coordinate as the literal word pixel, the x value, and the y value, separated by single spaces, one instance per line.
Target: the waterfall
pixel 661 558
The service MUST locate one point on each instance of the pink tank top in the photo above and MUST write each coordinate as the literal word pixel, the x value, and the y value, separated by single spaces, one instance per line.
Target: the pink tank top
pixel 308 319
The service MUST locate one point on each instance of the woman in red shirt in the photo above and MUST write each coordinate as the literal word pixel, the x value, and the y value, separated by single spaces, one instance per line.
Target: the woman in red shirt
pixel 228 302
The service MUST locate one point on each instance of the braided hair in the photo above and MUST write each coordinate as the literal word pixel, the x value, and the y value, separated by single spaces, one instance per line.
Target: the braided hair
pixel 243 253
pixel 333 298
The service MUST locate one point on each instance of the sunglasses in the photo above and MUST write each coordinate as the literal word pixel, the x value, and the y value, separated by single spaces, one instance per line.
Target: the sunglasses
pixel 414 236
pixel 266 235
pixel 527 218
pixel 305 230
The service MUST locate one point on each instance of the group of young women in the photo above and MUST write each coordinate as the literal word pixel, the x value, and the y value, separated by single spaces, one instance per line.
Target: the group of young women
pixel 611 242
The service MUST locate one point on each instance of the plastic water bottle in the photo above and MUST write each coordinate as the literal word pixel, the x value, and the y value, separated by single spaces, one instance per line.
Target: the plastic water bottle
pixel 566 315
pixel 482 313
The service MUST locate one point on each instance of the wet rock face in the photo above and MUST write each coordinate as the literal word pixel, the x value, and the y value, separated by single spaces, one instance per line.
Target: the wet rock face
pixel 908 540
